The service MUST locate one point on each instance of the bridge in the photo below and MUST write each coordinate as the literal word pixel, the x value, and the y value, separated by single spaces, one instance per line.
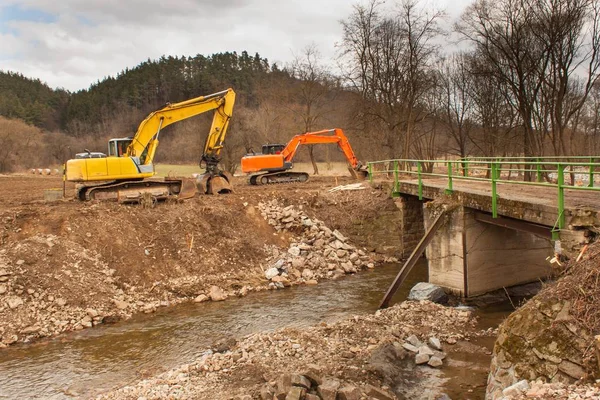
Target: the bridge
pixel 489 223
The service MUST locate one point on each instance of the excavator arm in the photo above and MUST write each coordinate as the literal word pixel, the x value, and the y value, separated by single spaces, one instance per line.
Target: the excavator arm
pixel 326 136
pixel 145 140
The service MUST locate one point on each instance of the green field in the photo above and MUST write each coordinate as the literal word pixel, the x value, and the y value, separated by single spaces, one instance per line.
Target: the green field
pixel 333 169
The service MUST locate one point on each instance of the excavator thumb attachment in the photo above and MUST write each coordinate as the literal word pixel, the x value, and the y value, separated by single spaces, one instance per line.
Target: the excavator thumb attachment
pixel 220 183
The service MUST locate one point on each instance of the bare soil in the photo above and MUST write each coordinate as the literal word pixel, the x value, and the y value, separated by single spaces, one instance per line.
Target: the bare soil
pixel 67 265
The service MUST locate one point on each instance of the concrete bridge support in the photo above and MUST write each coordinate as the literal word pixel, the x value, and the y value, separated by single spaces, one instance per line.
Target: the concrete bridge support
pixel 411 223
pixel 471 257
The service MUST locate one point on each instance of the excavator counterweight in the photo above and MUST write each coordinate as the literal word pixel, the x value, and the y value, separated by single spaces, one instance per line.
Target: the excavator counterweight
pixel 274 163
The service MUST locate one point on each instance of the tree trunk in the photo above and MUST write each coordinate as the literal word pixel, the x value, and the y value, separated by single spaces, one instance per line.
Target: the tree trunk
pixel 312 160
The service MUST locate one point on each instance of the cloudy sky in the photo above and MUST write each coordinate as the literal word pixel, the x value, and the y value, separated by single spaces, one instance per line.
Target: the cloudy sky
pixel 74 43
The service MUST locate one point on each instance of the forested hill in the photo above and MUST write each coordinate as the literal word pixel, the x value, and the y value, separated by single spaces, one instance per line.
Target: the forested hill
pixel 147 86
pixel 32 101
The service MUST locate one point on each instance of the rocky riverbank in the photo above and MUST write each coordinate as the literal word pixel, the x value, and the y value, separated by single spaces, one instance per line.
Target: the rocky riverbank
pixel 66 273
pixel 553 339
pixel 395 353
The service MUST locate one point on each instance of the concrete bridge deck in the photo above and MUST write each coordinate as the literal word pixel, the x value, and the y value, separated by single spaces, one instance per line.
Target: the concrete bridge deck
pixel 535 204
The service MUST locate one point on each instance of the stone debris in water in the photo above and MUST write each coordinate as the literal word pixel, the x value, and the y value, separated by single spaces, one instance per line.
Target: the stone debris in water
pixel 539 390
pixel 314 359
pixel 317 253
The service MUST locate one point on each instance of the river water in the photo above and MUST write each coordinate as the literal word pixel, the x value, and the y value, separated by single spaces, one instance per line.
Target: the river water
pixel 88 362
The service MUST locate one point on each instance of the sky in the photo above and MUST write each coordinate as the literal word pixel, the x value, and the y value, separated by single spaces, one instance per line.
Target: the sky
pixel 74 43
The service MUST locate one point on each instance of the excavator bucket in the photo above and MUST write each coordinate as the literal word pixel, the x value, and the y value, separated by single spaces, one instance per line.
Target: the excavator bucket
pixel 359 174
pixel 188 189
pixel 217 184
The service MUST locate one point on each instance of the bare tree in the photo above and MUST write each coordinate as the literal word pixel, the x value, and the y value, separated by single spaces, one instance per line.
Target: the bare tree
pixel 311 91
pixel 533 48
pixel 456 86
pixel 388 56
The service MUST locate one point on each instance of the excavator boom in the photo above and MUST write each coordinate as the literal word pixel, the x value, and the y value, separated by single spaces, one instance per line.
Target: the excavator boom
pixel 273 165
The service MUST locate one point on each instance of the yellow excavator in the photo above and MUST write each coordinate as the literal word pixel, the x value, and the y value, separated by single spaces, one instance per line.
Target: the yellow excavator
pixel 124 174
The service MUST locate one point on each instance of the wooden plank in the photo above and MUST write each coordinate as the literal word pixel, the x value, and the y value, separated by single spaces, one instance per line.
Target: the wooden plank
pixel 412 260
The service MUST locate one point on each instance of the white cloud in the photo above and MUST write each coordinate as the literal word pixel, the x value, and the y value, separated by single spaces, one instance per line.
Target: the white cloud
pixel 91 39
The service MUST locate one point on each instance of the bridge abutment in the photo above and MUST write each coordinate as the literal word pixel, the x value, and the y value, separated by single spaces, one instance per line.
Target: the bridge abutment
pixel 411 222
pixel 471 257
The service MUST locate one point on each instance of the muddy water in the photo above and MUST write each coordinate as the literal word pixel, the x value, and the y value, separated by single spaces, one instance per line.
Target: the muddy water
pixel 95 360
pixel 98 359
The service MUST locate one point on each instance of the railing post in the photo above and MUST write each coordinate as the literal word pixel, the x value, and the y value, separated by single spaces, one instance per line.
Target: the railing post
pixel 561 196
pixel 538 169
pixel 370 167
pixel 396 183
pixel 420 180
pixel 465 167
pixel 450 189
pixel 494 190
pixel 591 182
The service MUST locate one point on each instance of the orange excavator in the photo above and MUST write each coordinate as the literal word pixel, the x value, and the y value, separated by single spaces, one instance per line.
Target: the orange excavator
pixel 273 165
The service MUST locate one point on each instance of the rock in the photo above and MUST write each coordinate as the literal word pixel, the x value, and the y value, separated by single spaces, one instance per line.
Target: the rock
pixel 339 236
pixel 30 330
pixel 3 289
pixel 271 273
pixel 3 272
pixel 435 362
pixel 14 302
pixel 121 305
pixel 421 358
pixel 435 343
pixel 426 350
pixel 319 243
pixel 20 262
pixel 412 339
pixel 349 392
pixel 428 291
pixel 294 251
pixel 217 294
pixel 296 393
pixel 516 389
pixel 302 381
pixel 573 370
pixel 341 253
pixel 410 347
pixel 283 386
pixel 91 312
pixel 298 263
pixel 312 282
pixel 307 274
pixel 62 302
pixel 267 392
pixel 374 393
pixel 310 396
pixel 328 389
pixel 313 373
pixel 282 279
pixel 201 298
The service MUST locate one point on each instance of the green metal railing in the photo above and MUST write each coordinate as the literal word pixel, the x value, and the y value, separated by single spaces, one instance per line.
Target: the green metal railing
pixel 531 171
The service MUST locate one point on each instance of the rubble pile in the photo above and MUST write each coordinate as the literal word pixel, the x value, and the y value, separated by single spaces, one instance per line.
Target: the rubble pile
pixel 317 252
pixel 35 304
pixel 341 359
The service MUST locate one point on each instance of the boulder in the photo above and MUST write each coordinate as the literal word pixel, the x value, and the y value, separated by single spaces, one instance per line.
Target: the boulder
pixel 435 343
pixel 435 362
pixel 296 393
pixel 271 273
pixel 301 380
pixel 516 389
pixel 328 389
pixel 217 294
pixel 14 302
pixel 428 291
pixel 421 358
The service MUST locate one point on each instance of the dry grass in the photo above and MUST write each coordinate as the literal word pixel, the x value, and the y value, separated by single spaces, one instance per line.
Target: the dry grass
pixel 581 286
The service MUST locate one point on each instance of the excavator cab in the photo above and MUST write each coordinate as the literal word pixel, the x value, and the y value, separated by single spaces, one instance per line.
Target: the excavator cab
pixel 118 147
pixel 272 148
